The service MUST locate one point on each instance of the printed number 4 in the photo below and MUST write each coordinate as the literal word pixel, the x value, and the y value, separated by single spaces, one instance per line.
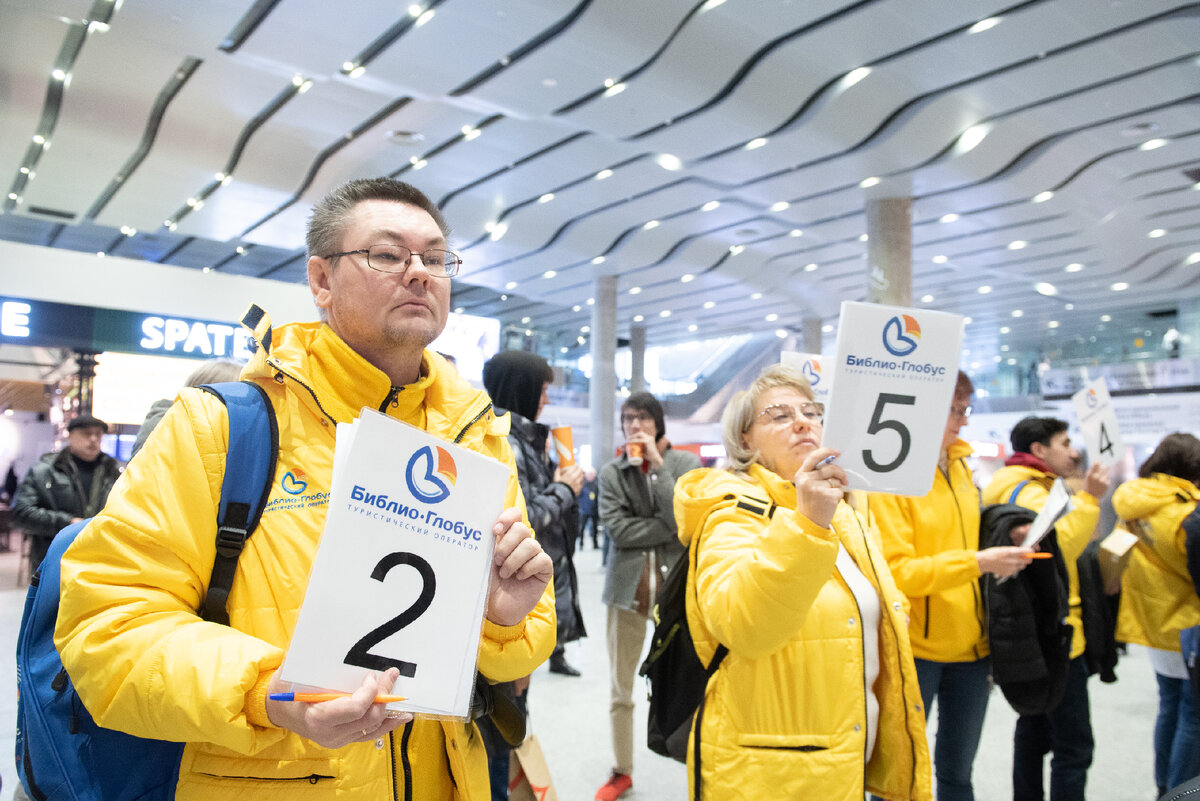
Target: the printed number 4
pixel 1106 443
pixel 879 424
pixel 359 655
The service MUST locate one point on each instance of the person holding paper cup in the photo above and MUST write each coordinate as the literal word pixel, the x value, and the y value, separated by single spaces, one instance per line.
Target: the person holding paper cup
pixel 1042 453
pixel 1158 599
pixel 817 696
pixel 144 662
pixel 932 547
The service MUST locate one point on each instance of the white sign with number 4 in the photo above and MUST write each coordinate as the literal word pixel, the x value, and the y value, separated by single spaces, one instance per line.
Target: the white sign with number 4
pixel 893 380
pixel 1094 408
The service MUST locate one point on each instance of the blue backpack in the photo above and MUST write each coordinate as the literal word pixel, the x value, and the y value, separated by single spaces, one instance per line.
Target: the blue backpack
pixel 61 752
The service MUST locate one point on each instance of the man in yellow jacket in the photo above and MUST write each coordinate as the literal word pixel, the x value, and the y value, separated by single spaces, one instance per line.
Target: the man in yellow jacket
pixel 1041 453
pixel 144 663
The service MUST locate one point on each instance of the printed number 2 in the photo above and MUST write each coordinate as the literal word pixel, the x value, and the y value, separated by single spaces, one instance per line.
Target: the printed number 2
pixel 359 655
pixel 879 424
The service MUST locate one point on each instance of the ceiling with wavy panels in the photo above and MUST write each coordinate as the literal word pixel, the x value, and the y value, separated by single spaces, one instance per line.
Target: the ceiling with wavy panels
pixel 715 156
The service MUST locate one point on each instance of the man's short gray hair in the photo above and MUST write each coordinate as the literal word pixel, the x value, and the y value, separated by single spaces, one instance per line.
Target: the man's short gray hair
pixel 743 406
pixel 331 215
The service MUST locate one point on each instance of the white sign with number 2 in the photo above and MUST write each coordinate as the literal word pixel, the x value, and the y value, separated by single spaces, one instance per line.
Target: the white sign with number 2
pixel 1094 408
pixel 893 380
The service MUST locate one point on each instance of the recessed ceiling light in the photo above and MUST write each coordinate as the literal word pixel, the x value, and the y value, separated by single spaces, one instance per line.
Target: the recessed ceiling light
pixel 782 333
pixel 600 176
pixel 637 318
pixel 927 298
pixel 1017 244
pixel 686 279
pixel 1052 324
pixel 525 320
pixel 736 249
pixel 549 273
pixel 546 198
pixel 810 267
pixel 651 225
pixel 459 309
pixel 1157 232
pixel 665 313
pixel 984 25
pixel 635 290
pixel 825 329
pixel 863 237
pixel 668 162
pixel 1004 348
pixel 583 329
pixel 854 76
pixel 1042 197
pixel 772 317
pixel 867 183
pixel 708 304
pixel 1153 144
pixel 591 301
pixel 939 259
pixel 576 307
pixel 711 205
pixel 795 232
pixel 511 285
pixel 780 205
pixel 1004 329
pixel 1044 288
pixel 756 296
pixel 948 218
pixel 598 260
pixel 1106 318
pixel 1119 286
pixel 1074 267
pixel 1018 313
pixel 755 144
pixel 692 327
pixel 968 320
pixel 983 290
pixel 499 229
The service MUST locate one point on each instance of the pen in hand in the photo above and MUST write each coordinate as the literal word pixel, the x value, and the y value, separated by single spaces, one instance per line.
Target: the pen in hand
pixel 312 698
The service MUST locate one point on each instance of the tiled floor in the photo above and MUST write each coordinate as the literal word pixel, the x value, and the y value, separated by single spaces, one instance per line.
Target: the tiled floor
pixel 570 717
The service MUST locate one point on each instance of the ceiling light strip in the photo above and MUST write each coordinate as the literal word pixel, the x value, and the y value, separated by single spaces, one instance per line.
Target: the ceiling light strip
pixel 385 40
pixel 246 26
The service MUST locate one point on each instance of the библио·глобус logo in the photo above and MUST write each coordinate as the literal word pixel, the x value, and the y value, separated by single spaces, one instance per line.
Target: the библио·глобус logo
pixel 901 335
pixel 431 473
pixel 811 369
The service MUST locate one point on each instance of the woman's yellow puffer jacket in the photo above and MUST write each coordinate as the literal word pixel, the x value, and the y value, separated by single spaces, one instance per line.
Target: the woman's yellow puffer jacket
pixel 144 663
pixel 785 714
pixel 1158 599
pixel 930 544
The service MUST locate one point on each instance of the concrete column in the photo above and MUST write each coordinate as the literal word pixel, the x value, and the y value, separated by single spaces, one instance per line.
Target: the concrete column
pixel 637 358
pixel 1188 323
pixel 603 389
pixel 889 251
pixel 811 340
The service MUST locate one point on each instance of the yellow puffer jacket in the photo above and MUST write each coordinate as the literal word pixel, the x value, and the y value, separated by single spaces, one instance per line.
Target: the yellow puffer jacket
pixel 144 663
pixel 1074 529
pixel 930 544
pixel 1158 599
pixel 785 715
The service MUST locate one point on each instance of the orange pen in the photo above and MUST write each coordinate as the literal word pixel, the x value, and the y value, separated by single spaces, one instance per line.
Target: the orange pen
pixel 1039 555
pixel 312 698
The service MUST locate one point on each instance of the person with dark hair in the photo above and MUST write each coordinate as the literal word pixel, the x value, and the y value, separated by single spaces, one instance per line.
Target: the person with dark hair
pixel 1042 452
pixel 1158 599
pixel 817 696
pixel 144 662
pixel 932 546
pixel 65 486
pixel 517 381
pixel 637 509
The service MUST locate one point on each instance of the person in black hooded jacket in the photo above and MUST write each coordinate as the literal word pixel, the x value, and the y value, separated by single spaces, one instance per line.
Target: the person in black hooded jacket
pixel 517 382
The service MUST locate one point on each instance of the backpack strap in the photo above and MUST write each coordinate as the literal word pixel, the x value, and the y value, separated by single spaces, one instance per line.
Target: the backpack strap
pixel 249 471
pixel 1017 491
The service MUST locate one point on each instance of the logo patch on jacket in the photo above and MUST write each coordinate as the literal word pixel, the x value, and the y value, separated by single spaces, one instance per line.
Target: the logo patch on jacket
pixel 294 484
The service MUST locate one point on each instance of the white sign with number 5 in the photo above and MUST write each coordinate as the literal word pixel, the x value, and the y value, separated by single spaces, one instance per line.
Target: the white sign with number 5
pixel 893 379
pixel 1094 408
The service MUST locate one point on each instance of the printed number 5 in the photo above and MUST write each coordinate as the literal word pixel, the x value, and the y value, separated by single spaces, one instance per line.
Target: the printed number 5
pixel 879 424
pixel 358 655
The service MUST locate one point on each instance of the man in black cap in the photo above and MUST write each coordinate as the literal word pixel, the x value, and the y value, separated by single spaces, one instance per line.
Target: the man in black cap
pixel 65 486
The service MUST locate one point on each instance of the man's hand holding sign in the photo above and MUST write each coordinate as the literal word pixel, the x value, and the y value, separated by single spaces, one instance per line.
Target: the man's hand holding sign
pixel 520 571
pixel 893 380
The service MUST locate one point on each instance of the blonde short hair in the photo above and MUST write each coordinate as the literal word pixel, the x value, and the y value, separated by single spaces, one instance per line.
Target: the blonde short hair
pixel 743 406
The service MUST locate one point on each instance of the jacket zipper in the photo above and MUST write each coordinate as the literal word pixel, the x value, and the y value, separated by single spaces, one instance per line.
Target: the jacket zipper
pixel 962 533
pixel 391 397
pixel 276 366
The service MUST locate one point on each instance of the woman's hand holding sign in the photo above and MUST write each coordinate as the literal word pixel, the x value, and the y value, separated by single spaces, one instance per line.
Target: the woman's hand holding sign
pixel 520 570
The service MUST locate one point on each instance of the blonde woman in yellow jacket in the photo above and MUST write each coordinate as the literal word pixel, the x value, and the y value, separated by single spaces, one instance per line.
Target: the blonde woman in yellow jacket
pixel 817 696
pixel 932 547
pixel 1158 598
pixel 1041 453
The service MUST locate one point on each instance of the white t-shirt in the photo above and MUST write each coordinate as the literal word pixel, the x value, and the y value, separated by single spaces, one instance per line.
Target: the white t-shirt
pixel 868 607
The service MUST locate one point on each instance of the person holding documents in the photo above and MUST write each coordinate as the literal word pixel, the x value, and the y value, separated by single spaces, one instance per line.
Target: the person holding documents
pixel 932 546
pixel 1042 453
pixel 143 662
pixel 1158 599
pixel 817 696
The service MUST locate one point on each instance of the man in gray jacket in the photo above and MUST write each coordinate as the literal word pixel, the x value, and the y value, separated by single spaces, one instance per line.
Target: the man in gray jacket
pixel 637 510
